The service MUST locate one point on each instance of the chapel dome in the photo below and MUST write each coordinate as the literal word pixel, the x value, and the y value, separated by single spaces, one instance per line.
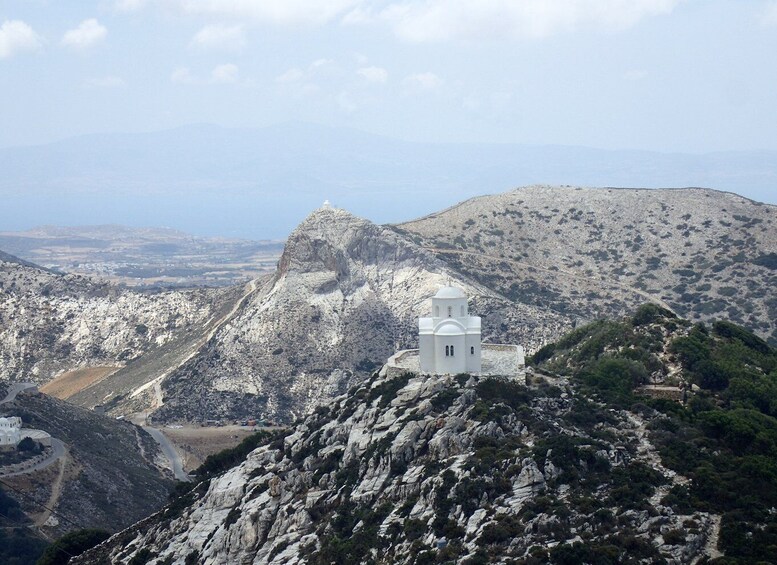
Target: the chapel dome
pixel 449 328
pixel 450 292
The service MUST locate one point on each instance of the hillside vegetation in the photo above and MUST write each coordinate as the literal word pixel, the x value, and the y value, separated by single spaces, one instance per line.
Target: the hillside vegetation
pixel 724 438
pixel 599 253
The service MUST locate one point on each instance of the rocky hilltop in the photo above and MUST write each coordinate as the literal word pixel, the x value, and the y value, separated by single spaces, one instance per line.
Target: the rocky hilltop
pixel 52 322
pixel 596 252
pixel 346 295
pixel 586 463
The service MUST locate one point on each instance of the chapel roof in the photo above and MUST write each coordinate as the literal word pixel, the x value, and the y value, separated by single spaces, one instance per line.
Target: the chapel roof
pixel 450 292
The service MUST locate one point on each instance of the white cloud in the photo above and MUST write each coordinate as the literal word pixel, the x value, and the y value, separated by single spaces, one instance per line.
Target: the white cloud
pixel 292 75
pixel 284 12
pixel 320 68
pixel 357 16
pixel 346 102
pixel 423 81
pixel 635 74
pixel 182 75
pixel 224 74
pixel 373 74
pixel 17 37
pixel 769 15
pixel 88 33
pixel 441 20
pixel 105 82
pixel 221 37
pixel 320 64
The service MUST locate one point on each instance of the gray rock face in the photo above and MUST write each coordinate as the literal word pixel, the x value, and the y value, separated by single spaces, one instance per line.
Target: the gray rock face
pixel 347 294
pixel 391 468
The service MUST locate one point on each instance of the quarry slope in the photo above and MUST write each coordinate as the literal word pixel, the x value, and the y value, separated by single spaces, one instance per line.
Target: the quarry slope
pixel 598 252
pixel 346 295
pixel 51 323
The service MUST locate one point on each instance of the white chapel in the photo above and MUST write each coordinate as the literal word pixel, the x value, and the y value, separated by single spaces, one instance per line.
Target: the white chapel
pixel 10 431
pixel 449 341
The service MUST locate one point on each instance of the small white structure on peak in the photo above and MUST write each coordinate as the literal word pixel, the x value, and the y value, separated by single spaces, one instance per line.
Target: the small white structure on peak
pixel 449 341
pixel 326 204
pixel 10 431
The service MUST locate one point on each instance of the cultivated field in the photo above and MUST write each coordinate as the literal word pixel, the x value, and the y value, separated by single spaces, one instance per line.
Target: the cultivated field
pixel 71 382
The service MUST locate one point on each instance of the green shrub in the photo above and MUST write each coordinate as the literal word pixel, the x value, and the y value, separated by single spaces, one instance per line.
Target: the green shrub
pixel 72 543
pixel 650 313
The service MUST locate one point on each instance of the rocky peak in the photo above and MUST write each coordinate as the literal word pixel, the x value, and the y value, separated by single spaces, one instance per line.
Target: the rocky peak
pixel 331 237
pixel 347 295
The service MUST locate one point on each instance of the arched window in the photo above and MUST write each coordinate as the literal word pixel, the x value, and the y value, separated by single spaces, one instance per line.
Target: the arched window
pixel 450 311
pixel 462 311
pixel 451 351
pixel 447 351
pixel 436 311
pixel 472 350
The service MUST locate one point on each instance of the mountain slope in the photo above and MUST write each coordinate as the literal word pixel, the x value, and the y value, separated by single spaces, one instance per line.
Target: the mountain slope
pixel 346 295
pixel 591 252
pixel 107 478
pixel 572 469
pixel 50 322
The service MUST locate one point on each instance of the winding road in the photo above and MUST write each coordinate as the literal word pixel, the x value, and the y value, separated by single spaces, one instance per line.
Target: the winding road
pixel 14 389
pixel 169 450
pixel 58 450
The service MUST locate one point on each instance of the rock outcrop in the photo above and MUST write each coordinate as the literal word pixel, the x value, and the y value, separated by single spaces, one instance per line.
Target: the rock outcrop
pixel 417 469
pixel 52 322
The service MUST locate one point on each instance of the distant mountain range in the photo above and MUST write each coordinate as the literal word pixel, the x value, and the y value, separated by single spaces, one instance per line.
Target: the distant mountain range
pixel 258 183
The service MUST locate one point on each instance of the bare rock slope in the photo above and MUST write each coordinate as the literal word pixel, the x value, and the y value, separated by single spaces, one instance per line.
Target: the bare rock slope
pixel 52 322
pixel 596 252
pixel 346 295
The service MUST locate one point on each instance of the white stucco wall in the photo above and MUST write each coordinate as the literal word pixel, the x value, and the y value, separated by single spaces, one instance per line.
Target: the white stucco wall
pixel 449 326
pixel 452 363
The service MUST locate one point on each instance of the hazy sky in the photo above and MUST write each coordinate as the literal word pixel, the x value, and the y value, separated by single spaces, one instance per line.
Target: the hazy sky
pixel 668 75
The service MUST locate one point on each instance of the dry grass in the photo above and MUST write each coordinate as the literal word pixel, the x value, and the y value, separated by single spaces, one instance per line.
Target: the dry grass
pixel 195 443
pixel 69 383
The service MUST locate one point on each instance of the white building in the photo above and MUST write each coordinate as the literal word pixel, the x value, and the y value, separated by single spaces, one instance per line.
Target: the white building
pixel 449 341
pixel 10 431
